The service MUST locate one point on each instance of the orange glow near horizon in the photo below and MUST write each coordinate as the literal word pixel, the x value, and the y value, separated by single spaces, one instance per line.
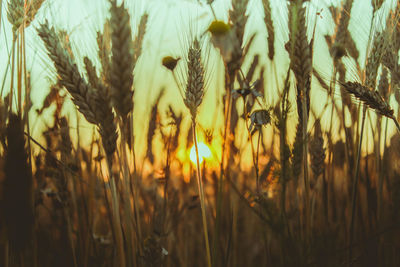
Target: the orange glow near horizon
pixel 204 152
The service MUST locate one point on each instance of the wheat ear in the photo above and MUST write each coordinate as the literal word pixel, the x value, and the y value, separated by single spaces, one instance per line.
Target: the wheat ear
pixel 193 97
pixel 122 61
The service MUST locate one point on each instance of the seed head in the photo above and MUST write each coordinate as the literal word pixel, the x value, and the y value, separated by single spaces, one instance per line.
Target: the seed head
pixel 259 118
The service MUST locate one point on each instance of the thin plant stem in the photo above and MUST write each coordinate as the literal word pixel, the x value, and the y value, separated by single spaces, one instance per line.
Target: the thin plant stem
pixel 201 193
pixel 116 216
pixel 305 168
pixel 227 113
pixel 127 202
pixel 12 72
pixel 355 183
pixel 257 154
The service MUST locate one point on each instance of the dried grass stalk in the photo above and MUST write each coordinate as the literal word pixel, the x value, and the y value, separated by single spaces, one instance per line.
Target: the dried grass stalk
pixel 153 123
pixel 104 50
pixel 384 86
pixel 270 28
pixel 138 42
pixel 238 18
pixel 18 191
pixel 317 151
pixel 339 46
pixel 104 113
pixel 374 60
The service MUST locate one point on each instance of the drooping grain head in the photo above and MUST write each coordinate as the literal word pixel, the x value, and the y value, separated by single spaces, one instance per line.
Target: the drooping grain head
pixel 68 72
pixel 92 102
pixel 369 97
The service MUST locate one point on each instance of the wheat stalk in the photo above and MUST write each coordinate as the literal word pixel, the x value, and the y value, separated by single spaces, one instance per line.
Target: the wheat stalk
pixel 68 72
pixel 374 60
pixel 18 190
pixel 104 113
pixel 301 64
pixel 192 98
pixel 93 104
pixel 195 84
pixel 122 60
pixel 339 46
pixel 15 14
pixel 372 99
pixel 20 13
pixel 138 42
pixel 270 28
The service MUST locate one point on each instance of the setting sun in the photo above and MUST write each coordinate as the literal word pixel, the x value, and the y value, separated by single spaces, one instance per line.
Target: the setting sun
pixel 204 152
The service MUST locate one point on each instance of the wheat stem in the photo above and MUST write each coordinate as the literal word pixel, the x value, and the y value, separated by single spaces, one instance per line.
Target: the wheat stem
pixel 355 183
pixel 201 193
pixel 116 216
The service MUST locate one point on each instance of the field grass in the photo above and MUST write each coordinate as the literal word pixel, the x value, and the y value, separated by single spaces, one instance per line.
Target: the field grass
pixel 298 167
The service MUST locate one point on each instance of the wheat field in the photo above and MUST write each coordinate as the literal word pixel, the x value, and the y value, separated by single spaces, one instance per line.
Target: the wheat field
pixel 199 133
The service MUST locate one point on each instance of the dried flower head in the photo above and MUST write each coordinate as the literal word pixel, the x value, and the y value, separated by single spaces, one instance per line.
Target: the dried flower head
pixel 219 28
pixel 224 39
pixel 170 62
pixel 258 119
pixel 247 89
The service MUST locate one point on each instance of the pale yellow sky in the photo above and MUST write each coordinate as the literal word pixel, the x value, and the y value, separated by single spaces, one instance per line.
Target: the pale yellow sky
pixel 169 22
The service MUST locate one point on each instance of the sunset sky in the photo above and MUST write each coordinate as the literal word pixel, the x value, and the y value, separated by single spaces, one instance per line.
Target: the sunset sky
pixel 170 24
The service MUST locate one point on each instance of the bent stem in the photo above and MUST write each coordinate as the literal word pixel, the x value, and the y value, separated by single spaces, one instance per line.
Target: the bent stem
pixel 201 193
